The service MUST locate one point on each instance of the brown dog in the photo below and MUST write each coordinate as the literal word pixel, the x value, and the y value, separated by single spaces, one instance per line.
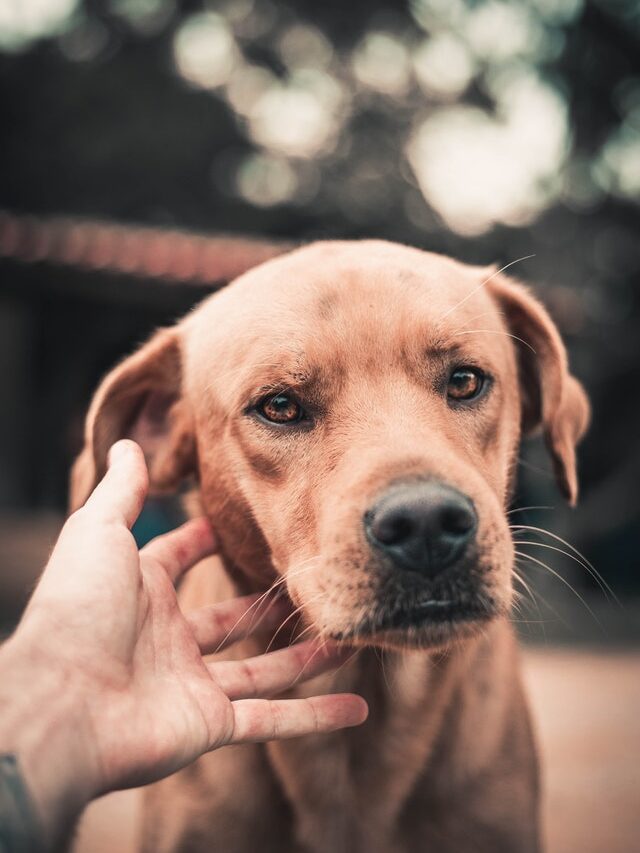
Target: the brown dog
pixel 351 413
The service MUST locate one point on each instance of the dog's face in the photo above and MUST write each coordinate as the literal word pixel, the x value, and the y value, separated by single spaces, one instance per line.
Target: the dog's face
pixel 352 412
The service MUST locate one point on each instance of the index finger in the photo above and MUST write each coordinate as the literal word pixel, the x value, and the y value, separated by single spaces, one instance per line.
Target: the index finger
pixel 180 549
pixel 276 672
pixel 217 626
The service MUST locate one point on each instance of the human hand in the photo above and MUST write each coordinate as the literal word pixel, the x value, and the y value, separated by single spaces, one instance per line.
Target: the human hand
pixel 111 671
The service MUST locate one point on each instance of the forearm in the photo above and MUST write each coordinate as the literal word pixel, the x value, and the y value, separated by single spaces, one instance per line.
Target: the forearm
pixel 41 726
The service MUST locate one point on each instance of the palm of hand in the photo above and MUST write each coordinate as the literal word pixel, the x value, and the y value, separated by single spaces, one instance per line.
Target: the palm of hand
pixel 152 703
pixel 159 707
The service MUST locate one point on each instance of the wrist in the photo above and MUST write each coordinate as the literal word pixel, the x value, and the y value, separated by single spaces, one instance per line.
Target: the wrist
pixel 42 724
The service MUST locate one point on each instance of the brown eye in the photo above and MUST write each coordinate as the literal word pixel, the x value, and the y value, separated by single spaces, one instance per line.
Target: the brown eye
pixel 281 409
pixel 465 383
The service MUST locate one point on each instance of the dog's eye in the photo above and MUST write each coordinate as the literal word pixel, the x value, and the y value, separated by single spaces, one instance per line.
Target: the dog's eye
pixel 465 383
pixel 281 409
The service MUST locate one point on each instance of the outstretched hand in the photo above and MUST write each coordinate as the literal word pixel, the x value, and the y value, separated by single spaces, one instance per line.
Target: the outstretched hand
pixel 105 655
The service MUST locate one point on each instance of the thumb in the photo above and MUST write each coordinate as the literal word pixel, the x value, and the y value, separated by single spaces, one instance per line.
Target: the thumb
pixel 120 495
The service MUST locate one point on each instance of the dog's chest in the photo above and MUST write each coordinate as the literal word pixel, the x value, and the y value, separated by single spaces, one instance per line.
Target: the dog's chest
pixel 347 791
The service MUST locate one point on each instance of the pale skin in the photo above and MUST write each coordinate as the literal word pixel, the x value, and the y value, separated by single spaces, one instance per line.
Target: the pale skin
pixel 104 686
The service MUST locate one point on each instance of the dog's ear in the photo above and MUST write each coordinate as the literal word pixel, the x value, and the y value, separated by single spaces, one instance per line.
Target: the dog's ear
pixel 140 399
pixel 551 397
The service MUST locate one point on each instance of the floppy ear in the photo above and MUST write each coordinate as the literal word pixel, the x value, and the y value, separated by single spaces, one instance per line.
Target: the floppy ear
pixel 551 397
pixel 140 399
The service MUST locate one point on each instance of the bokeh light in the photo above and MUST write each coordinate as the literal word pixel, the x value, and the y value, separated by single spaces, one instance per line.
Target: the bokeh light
pixel 479 124
pixel 23 21
pixel 477 169
pixel 205 50
pixel 444 66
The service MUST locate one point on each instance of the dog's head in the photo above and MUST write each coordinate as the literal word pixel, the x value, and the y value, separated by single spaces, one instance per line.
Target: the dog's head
pixel 352 414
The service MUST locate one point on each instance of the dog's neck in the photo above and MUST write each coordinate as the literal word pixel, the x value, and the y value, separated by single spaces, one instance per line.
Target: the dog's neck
pixel 423 706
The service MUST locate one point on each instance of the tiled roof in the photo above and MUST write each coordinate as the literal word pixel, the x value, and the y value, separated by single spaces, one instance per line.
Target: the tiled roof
pixel 132 250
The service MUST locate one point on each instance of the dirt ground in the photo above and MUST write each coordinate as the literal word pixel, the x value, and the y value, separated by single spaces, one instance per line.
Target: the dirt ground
pixel 587 711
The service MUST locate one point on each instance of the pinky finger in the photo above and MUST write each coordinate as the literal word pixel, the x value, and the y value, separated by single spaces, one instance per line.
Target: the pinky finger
pixel 263 719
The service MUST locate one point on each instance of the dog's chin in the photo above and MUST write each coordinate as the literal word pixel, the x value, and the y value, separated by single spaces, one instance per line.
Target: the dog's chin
pixel 432 623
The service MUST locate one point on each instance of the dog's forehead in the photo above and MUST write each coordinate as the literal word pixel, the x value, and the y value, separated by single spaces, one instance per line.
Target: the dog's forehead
pixel 345 288
pixel 333 276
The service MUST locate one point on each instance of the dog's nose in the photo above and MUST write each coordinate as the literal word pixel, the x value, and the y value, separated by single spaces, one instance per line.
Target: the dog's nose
pixel 424 527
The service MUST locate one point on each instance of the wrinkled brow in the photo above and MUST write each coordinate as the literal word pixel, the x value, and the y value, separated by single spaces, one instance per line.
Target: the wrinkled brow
pixel 284 372
pixel 442 348
pixel 478 347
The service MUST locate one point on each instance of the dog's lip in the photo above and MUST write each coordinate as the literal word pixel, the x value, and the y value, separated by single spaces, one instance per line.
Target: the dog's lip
pixel 430 612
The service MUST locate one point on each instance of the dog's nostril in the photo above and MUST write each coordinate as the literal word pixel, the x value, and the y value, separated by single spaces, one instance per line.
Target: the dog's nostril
pixel 457 519
pixel 424 526
pixel 391 528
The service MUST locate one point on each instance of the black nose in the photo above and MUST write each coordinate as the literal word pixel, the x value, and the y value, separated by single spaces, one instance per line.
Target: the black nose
pixel 424 526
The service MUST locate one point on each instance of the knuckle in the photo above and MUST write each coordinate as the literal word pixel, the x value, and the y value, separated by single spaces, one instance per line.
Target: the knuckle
pixel 315 719
pixel 277 722
pixel 249 677
pixel 218 624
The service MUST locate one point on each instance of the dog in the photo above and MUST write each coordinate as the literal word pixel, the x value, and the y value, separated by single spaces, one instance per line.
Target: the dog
pixel 349 417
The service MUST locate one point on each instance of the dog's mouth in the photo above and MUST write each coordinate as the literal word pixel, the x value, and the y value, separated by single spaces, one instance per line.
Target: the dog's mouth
pixel 430 612
pixel 423 615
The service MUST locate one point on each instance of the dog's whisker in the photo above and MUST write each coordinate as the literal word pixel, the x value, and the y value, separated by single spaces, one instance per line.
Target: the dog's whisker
pixel 322 644
pixel 384 673
pixel 497 332
pixel 296 626
pixel 573 554
pixel 491 313
pixel 545 472
pixel 270 599
pixel 256 604
pixel 527 508
pixel 300 610
pixel 348 661
pixel 482 284
pixel 556 574
pixel 543 531
pixel 276 586
pixel 310 562
pixel 550 607
pixel 307 630
pixel 534 595
pixel 526 587
pixel 517 609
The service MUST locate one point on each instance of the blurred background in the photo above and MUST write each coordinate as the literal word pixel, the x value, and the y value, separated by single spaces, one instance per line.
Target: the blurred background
pixel 153 149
